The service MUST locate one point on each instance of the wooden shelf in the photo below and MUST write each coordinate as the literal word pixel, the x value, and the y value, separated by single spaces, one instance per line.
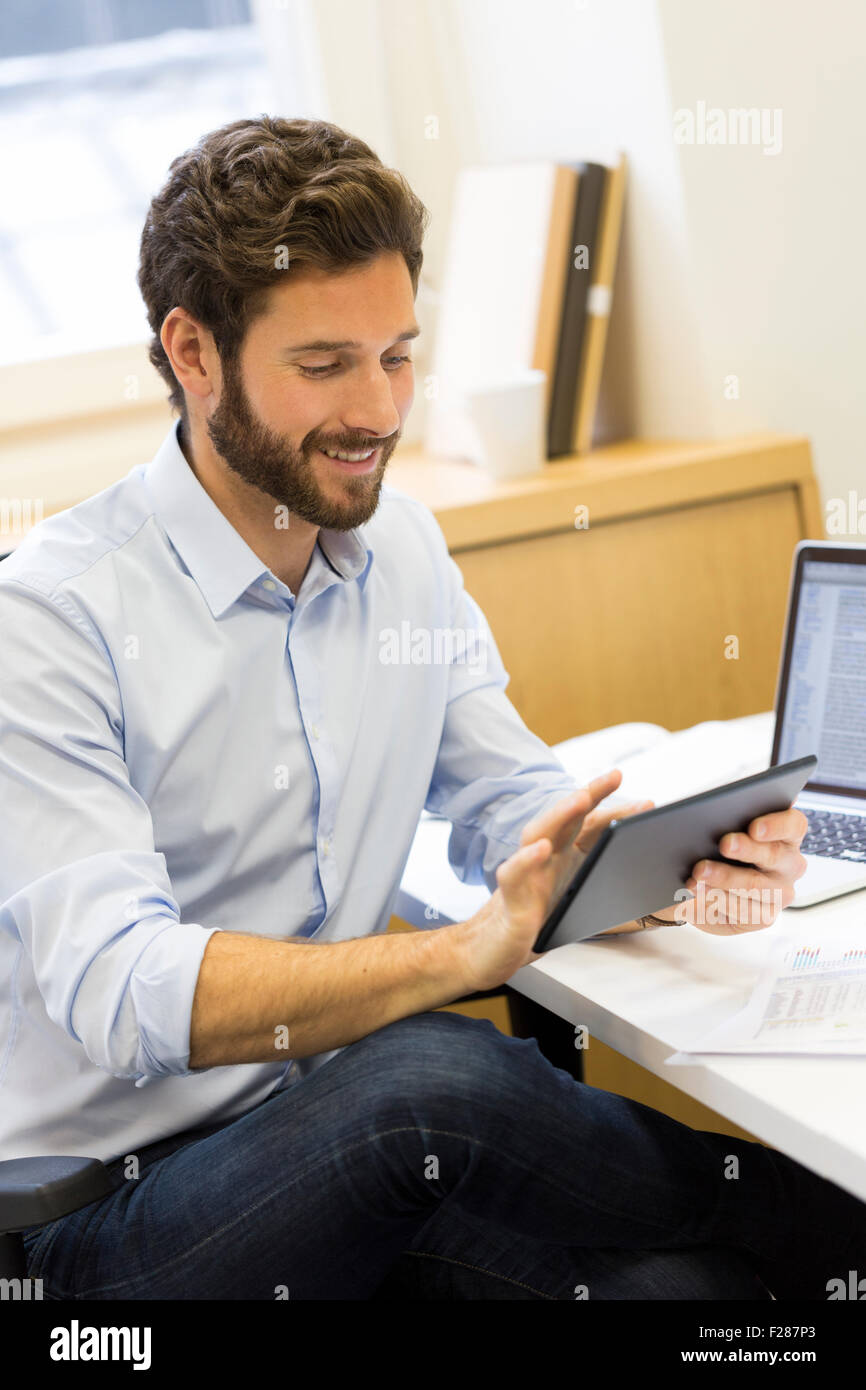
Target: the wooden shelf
pixel 667 607
pixel 632 478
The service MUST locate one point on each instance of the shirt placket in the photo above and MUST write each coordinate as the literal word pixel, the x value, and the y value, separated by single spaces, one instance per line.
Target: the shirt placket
pixel 304 657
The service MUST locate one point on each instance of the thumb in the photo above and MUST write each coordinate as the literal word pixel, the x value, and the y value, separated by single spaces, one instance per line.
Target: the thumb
pixel 516 879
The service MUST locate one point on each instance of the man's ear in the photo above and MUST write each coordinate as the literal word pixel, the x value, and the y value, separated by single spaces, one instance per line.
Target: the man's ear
pixel 192 352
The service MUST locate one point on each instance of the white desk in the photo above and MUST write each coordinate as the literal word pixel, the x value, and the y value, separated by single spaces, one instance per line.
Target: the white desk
pixel 650 995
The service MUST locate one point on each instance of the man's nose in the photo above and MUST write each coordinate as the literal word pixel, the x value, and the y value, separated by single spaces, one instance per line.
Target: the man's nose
pixel 370 409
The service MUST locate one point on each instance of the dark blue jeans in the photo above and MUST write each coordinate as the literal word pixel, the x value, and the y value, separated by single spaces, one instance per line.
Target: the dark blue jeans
pixel 439 1159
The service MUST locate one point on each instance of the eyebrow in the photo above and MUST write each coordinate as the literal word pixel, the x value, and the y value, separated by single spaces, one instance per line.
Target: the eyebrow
pixel 326 345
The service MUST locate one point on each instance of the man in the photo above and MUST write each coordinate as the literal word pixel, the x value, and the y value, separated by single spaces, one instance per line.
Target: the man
pixel 210 781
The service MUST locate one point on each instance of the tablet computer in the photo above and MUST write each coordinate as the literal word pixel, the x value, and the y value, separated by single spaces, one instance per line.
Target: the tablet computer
pixel 641 863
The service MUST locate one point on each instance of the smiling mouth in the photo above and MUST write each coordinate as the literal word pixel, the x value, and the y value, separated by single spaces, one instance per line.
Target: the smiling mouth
pixel 357 461
pixel 347 456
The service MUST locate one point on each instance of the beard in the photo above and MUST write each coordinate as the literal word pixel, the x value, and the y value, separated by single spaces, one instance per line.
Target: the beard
pixel 271 463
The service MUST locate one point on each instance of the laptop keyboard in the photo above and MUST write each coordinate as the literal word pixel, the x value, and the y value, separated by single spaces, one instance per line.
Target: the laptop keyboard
pixel 833 835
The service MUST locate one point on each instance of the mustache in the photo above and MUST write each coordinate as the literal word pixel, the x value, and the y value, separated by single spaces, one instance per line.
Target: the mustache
pixel 354 446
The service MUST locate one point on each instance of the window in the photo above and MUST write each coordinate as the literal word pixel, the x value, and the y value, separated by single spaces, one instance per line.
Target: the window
pixel 96 98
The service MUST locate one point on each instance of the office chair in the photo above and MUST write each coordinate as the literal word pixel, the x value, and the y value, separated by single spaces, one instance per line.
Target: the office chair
pixel 36 1190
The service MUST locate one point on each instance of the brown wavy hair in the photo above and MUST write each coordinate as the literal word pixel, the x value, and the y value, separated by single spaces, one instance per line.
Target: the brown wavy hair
pixel 212 236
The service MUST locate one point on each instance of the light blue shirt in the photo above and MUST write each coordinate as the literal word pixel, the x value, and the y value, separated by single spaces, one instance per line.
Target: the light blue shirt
pixel 186 747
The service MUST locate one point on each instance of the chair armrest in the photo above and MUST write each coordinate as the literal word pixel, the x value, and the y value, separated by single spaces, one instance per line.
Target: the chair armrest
pixel 36 1190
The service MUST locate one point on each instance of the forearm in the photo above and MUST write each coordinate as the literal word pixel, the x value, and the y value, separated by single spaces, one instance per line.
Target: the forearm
pixel 260 1000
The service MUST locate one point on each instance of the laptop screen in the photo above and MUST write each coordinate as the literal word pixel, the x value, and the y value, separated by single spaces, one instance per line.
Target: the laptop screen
pixel 822 696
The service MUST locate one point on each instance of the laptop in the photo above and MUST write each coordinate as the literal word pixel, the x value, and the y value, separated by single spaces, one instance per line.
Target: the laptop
pixel 821 709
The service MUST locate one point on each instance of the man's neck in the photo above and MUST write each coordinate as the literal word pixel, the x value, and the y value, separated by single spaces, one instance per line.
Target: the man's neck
pixel 287 552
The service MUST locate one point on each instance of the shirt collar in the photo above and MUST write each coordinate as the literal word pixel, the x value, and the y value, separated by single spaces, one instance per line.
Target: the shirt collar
pixel 216 555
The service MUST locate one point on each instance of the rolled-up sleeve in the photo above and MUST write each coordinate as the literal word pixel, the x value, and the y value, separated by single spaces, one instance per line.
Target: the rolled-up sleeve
pixel 82 885
pixel 492 774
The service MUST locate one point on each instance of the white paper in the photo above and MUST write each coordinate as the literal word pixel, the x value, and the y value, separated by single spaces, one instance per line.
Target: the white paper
pixel 811 999
pixel 664 766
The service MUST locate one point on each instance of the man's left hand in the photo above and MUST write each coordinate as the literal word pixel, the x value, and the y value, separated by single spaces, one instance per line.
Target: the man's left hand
pixel 730 899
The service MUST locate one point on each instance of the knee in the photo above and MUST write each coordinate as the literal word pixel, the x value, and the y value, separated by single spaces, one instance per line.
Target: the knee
pixel 445 1040
pixel 445 1055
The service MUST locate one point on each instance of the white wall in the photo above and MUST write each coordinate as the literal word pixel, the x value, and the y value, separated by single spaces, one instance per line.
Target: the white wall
pixel 734 263
pixel 777 242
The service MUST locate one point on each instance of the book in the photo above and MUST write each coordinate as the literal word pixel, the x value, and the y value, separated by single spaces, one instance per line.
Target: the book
pixel 581 253
pixel 503 283
pixel 597 309
pixel 563 200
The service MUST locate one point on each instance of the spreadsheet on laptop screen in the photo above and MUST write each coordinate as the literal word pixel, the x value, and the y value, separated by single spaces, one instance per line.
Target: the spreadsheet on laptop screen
pixel 824 709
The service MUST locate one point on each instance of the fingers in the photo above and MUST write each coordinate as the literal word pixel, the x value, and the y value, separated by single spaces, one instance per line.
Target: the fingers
pixel 790 825
pixel 718 879
pixel 731 899
pixel 598 821
pixel 560 822
pixel 785 866
pixel 771 844
pixel 730 913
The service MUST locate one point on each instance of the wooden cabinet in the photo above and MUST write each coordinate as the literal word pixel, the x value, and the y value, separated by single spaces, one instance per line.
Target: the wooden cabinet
pixel 643 581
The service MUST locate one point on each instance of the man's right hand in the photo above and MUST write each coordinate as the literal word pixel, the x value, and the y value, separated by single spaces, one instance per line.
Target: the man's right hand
pixel 498 939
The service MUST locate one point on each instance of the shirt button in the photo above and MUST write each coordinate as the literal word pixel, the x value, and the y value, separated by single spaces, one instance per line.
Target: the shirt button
pixel 268 584
pixel 314 730
pixel 326 848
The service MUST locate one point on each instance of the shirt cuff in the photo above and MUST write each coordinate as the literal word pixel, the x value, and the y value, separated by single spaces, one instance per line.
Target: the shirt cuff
pixel 162 988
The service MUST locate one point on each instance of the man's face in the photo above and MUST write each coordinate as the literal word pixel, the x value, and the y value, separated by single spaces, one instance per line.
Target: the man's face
pixel 326 367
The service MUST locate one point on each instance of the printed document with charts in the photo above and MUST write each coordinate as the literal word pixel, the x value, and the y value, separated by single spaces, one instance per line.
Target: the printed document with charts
pixel 810 999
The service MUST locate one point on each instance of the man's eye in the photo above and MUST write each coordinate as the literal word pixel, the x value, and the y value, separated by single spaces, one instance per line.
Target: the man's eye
pixel 319 371
pixel 393 363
